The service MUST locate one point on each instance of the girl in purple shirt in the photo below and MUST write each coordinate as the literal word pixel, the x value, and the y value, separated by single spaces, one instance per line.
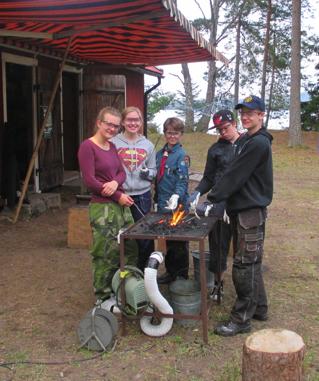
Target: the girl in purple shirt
pixel 109 211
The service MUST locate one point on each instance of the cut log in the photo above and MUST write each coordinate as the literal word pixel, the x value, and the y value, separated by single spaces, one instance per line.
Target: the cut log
pixel 273 355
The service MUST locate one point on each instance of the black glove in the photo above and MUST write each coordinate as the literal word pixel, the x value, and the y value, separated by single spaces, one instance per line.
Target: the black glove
pixel 204 209
pixel 209 209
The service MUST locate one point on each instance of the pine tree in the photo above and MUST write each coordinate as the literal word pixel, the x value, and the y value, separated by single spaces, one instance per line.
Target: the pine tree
pixel 295 108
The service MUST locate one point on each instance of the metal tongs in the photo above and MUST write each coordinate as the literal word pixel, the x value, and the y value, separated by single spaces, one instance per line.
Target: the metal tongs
pixel 196 215
pixel 193 210
pixel 139 209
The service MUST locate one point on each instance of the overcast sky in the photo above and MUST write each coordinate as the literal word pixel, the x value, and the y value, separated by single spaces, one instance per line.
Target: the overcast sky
pixel 191 11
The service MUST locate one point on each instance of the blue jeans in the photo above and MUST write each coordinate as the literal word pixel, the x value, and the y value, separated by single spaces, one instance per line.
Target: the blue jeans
pixel 145 246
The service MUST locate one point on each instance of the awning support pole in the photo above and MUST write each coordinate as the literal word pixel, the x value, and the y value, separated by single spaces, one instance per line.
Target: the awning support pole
pixel 41 131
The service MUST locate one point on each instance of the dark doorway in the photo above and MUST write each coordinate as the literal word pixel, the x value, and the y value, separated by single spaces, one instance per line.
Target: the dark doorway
pixel 70 91
pixel 18 131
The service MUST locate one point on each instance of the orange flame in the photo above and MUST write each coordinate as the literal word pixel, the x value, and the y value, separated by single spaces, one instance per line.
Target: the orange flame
pixel 178 215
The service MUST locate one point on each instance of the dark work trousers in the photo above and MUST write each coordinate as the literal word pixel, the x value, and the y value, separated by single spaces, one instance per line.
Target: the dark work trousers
pixel 248 228
pixel 145 246
pixel 177 258
pixel 219 241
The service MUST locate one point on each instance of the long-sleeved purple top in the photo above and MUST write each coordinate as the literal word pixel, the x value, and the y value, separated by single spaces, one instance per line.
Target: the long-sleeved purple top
pixel 99 166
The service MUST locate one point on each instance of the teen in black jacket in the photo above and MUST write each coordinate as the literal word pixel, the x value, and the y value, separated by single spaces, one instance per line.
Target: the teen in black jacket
pixel 247 187
pixel 219 157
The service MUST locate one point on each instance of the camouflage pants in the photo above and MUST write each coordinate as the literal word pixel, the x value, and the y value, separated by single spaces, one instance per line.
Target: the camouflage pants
pixel 106 220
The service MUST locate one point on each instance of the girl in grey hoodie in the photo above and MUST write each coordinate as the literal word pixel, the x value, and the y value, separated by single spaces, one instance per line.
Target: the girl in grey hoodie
pixel 138 157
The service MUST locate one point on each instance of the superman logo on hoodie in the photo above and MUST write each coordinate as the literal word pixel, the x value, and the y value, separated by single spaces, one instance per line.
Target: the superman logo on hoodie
pixel 132 158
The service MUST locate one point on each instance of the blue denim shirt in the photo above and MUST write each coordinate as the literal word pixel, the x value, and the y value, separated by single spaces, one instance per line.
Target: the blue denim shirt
pixel 175 178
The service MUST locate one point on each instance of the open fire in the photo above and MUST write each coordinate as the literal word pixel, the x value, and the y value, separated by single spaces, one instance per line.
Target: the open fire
pixel 178 215
pixel 176 218
pixel 180 218
pixel 180 223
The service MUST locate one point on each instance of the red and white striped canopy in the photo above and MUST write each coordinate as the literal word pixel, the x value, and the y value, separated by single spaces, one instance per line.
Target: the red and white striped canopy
pixel 140 32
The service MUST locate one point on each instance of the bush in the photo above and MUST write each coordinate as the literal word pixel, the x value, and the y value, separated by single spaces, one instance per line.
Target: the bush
pixel 152 128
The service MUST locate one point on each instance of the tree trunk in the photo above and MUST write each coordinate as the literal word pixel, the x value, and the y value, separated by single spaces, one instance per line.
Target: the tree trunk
pixel 272 81
pixel 212 70
pixel 266 50
pixel 270 95
pixel 210 93
pixel 189 98
pixel 294 112
pixel 273 355
pixel 237 63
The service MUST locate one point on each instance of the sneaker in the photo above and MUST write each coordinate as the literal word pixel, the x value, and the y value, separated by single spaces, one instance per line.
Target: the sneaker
pixel 109 305
pixel 217 290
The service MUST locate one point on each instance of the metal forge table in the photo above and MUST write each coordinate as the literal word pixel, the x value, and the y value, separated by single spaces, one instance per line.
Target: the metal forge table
pixel 195 230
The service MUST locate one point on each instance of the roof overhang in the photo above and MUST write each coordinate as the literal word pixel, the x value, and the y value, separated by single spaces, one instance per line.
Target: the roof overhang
pixel 137 32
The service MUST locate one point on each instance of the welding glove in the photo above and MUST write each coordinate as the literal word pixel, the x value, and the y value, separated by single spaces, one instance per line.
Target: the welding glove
pixel 226 218
pixel 204 209
pixel 172 203
pixel 144 173
pixel 193 200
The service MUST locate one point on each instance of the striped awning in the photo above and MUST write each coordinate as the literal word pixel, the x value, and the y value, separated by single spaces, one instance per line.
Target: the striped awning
pixel 139 32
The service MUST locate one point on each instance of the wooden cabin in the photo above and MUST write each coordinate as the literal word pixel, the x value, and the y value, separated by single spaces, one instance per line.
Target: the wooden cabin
pixel 27 82
pixel 102 48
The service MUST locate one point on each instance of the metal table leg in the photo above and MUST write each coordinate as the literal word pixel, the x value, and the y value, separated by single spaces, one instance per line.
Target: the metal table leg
pixel 203 290
pixel 122 264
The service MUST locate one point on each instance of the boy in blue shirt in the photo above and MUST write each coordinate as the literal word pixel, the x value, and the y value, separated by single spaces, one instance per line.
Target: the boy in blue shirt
pixel 171 191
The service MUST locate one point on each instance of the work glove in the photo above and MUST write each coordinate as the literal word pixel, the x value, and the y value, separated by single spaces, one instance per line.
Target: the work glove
pixel 172 203
pixel 144 173
pixel 226 218
pixel 205 209
pixel 122 230
pixel 193 200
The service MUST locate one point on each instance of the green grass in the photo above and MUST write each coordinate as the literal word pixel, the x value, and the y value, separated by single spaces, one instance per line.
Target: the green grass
pixel 292 258
pixel 231 370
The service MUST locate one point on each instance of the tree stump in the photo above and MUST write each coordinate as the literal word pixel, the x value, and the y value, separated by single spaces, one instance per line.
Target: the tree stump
pixel 273 355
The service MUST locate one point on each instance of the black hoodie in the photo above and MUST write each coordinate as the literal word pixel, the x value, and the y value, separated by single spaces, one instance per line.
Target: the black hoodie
pixel 248 181
pixel 219 155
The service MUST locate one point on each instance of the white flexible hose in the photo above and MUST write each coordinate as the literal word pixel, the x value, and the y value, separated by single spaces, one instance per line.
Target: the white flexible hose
pixel 151 288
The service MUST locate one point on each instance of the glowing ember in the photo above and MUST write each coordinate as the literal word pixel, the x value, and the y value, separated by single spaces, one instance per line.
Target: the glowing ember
pixel 178 215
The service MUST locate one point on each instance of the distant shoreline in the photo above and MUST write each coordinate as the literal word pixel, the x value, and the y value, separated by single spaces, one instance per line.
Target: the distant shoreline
pixel 275 124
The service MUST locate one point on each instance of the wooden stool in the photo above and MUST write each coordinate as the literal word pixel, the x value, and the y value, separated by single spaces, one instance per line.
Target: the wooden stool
pixel 79 229
pixel 273 355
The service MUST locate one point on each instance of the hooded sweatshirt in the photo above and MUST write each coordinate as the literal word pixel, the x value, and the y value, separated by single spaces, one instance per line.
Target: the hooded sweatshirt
pixel 248 181
pixel 135 156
